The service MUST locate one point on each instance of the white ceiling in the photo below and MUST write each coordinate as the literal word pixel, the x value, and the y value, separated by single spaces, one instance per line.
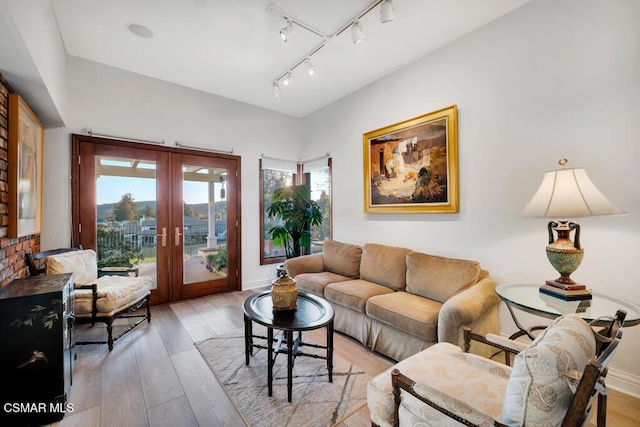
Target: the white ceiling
pixel 232 48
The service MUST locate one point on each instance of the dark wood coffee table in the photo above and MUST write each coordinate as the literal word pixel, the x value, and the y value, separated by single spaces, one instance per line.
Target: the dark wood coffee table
pixel 311 313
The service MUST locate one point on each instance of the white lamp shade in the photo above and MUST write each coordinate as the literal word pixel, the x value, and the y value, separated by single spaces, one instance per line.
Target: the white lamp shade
pixel 568 193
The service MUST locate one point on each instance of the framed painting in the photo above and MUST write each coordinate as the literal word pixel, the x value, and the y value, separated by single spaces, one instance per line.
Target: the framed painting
pixel 26 134
pixel 412 166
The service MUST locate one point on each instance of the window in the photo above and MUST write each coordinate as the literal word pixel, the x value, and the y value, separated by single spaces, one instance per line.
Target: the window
pixel 318 179
pixel 273 175
pixel 281 173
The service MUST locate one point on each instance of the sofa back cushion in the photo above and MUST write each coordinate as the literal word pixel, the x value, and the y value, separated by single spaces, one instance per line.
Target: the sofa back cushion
pixel 546 374
pixel 439 278
pixel 82 264
pixel 384 265
pixel 342 258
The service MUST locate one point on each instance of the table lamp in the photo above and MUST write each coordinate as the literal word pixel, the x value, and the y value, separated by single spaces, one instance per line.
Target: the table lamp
pixel 567 193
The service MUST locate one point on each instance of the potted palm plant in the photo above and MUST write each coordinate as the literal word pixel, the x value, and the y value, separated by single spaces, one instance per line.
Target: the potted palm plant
pixel 296 212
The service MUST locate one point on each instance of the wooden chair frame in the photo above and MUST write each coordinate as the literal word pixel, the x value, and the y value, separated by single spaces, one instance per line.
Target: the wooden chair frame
pixel 34 262
pixel 591 383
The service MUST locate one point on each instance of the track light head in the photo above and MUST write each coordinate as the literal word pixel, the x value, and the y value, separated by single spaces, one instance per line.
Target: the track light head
pixel 285 32
pixel 386 11
pixel 286 80
pixel 308 66
pixel 356 32
pixel 276 90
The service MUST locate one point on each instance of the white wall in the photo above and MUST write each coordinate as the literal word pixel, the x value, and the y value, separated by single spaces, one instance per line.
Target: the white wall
pixel 38 28
pixel 550 80
pixel 111 99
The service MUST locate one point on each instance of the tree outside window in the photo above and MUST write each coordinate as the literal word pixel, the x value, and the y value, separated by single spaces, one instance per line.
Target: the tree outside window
pixel 271 180
pixel 319 183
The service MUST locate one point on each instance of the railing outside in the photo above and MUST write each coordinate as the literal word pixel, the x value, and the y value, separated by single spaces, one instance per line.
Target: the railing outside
pixel 141 245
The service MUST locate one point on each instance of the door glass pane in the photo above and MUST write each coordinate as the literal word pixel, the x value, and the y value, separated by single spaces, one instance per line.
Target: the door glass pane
pixel 204 223
pixel 126 216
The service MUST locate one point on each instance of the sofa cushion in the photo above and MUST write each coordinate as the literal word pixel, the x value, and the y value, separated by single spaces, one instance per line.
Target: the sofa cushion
pixel 385 265
pixel 354 294
pixel 545 374
pixel 477 383
pixel 410 313
pixel 439 278
pixel 82 264
pixel 342 258
pixel 316 282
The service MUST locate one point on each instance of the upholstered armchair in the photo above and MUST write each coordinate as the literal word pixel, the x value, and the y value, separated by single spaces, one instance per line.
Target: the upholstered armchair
pixel 100 295
pixel 553 381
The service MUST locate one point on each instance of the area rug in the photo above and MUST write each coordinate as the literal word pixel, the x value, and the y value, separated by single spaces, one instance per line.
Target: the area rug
pixel 315 401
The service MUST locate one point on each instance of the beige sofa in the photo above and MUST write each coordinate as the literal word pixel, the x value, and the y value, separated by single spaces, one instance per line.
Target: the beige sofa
pixel 397 301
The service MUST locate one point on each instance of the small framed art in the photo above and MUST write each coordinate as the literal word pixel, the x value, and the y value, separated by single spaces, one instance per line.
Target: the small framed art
pixel 26 134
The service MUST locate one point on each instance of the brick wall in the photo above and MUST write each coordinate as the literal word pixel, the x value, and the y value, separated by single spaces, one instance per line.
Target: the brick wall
pixel 12 251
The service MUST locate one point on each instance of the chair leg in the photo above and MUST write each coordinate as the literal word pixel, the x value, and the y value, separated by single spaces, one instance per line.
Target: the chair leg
pixel 148 308
pixel 396 396
pixel 110 332
pixel 602 410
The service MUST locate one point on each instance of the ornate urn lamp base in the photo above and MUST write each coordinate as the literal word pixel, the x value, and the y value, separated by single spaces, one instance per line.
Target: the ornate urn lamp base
pixel 284 293
pixel 563 254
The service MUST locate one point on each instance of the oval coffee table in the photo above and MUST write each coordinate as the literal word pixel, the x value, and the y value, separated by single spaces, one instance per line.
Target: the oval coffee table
pixel 312 312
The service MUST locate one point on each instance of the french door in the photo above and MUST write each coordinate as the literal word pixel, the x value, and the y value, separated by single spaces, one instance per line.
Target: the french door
pixel 173 213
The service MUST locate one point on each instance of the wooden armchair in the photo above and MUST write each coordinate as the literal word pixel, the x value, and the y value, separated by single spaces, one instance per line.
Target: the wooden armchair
pixel 554 381
pixel 101 295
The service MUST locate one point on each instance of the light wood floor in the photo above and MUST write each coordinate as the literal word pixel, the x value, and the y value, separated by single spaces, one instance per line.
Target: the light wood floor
pixel 156 377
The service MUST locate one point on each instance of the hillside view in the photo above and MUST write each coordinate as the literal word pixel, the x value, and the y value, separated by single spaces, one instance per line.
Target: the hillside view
pixel 105 211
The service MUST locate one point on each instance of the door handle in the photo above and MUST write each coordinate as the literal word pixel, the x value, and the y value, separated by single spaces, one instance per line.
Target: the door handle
pixel 164 236
pixel 178 234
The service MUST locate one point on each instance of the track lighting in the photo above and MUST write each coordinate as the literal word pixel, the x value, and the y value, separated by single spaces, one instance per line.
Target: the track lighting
pixel 356 32
pixel 386 11
pixel 308 66
pixel 286 31
pixel 357 35
pixel 286 80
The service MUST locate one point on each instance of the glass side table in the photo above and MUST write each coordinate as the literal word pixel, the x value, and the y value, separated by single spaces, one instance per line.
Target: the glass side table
pixel 527 297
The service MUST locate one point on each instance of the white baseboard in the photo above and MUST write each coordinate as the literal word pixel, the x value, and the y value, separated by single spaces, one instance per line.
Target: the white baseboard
pixel 256 283
pixel 623 382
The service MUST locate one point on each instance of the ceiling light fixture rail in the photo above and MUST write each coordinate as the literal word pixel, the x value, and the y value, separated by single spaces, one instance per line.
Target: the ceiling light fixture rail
pixel 292 20
pixel 386 15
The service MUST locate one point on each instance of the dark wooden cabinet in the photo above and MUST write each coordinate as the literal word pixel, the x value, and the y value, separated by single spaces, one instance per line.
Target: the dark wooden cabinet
pixel 36 349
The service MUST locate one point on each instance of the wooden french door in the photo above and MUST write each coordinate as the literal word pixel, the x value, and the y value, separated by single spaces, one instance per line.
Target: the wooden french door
pixel 203 269
pixel 173 212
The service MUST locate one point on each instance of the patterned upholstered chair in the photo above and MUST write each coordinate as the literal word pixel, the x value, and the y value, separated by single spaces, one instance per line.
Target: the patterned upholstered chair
pixel 552 383
pixel 100 295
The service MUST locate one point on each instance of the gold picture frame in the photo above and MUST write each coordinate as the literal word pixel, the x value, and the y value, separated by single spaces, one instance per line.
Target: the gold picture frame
pixel 26 135
pixel 412 166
